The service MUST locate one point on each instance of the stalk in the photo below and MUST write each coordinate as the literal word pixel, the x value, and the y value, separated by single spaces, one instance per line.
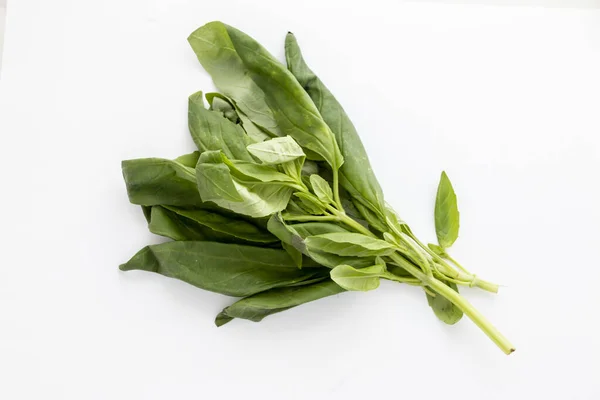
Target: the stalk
pixel 494 334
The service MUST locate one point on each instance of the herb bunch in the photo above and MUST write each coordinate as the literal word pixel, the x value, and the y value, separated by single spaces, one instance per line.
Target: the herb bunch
pixel 279 205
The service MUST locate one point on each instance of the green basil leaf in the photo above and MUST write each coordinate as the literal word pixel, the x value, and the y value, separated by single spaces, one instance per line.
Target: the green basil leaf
pixel 261 305
pixel 443 308
pixel 238 228
pixel 211 131
pixel 361 280
pixel 214 179
pixel 446 213
pixel 189 160
pixel 277 150
pixel 370 217
pixel 152 181
pixel 321 189
pixel 437 249
pixel 309 204
pixel 349 244
pixel 263 88
pixel 356 174
pixel 261 173
pixel 230 269
pixel 166 223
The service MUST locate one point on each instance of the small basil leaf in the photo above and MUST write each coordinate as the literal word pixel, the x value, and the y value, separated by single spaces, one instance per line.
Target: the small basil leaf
pixel 362 280
pixel 321 189
pixel 443 308
pixel 349 244
pixel 446 213
pixel 277 150
pixel 214 179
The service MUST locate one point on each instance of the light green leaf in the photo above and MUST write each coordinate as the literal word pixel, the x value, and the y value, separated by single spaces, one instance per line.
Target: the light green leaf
pixel 261 173
pixel 349 244
pixel 356 174
pixel 189 160
pixel 443 308
pixel 261 305
pixel 152 181
pixel 311 205
pixel 446 213
pixel 222 104
pixel 263 88
pixel 321 189
pixel 370 217
pixel 210 130
pixel 277 150
pixel 362 280
pixel 437 249
pixel 230 269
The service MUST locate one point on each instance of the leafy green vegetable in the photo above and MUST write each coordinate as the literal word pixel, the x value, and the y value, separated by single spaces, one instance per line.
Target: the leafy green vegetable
pixel 230 269
pixel 349 244
pixel 267 208
pixel 446 213
pixel 443 308
pixel 259 306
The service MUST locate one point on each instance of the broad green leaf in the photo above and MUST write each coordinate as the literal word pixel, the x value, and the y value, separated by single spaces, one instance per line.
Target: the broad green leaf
pixel 294 253
pixel 286 233
pixel 241 187
pixel 211 131
pixel 230 269
pixel 263 88
pixel 254 131
pixel 166 223
pixel 443 308
pixel 189 160
pixel 363 279
pixel 152 181
pixel 214 180
pixel 261 305
pixel 277 150
pixel 356 174
pixel 322 189
pixel 261 173
pixel 238 228
pixel 446 213
pixel 349 244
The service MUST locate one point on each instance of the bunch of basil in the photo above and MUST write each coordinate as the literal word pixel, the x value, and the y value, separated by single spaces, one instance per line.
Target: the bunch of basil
pixel 279 205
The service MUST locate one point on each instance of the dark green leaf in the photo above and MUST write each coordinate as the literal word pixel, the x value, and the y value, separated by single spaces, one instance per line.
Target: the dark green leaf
pixel 443 308
pixel 261 305
pixel 446 213
pixel 152 181
pixel 263 88
pixel 229 269
pixel 238 228
pixel 294 253
pixel 189 160
pixel 356 174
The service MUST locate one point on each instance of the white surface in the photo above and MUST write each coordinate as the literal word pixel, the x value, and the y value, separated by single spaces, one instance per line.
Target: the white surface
pixel 504 99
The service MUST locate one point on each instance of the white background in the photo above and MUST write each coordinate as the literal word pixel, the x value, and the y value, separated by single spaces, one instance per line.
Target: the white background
pixel 505 99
